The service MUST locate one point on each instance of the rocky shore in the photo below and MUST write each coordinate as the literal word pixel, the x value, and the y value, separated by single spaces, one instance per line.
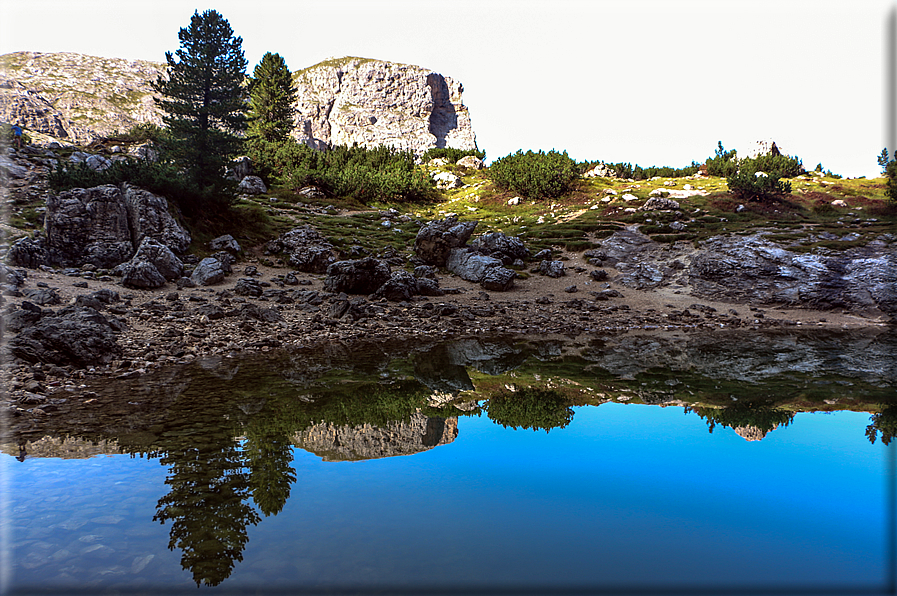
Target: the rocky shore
pixel 139 330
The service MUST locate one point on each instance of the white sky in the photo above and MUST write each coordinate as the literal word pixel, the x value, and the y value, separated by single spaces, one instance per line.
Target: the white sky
pixel 651 82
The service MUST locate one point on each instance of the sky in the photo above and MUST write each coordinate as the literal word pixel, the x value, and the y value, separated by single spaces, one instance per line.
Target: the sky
pixel 650 82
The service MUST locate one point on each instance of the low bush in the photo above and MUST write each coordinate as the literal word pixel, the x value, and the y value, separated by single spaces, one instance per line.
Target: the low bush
pixel 452 155
pixel 535 175
pixel 723 163
pixel 754 185
pixel 366 175
pixel 141 133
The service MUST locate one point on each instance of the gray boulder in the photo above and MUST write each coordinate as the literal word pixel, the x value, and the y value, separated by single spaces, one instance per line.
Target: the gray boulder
pixel 28 252
pixel 307 250
pixel 498 279
pixel 487 271
pixel 552 268
pixel 88 225
pixel 437 238
pixel 447 180
pixel 659 204
pixel 472 162
pixel 208 272
pixel 73 336
pixel 226 242
pixel 361 276
pixel 165 261
pixel 149 216
pixel 140 273
pixel 470 266
pixel 403 286
pixel 252 185
pixel 246 286
pixel 500 246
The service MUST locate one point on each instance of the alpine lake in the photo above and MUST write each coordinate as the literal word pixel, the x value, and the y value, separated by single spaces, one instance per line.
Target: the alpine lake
pixel 668 463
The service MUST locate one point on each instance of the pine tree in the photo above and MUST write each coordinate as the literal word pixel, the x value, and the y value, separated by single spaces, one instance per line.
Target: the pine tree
pixel 203 98
pixel 272 96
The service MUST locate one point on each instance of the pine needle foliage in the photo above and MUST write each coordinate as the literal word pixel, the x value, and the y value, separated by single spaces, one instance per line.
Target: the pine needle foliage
pixel 203 99
pixel 271 99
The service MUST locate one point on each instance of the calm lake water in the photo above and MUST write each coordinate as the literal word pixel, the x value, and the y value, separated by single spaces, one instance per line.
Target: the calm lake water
pixel 672 464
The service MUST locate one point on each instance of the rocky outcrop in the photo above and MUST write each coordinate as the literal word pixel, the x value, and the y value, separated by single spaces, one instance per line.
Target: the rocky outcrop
pixel 73 98
pixel 360 276
pixel 372 102
pixel 306 249
pixel 353 443
pixel 750 268
pixel 79 336
pixel 102 226
pixel 437 238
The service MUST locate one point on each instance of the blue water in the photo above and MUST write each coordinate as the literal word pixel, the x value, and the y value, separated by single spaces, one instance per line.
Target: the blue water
pixel 626 496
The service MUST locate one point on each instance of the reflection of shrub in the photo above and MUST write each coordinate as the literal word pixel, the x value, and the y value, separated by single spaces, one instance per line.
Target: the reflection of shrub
pixel 535 175
pixel 530 408
pixel 757 416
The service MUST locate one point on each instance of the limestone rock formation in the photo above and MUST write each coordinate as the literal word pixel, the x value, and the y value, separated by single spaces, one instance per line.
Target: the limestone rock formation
pixel 103 226
pixel 373 102
pixel 75 98
pixel 353 443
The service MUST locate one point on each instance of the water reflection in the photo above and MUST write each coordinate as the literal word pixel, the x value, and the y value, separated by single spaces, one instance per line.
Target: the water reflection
pixel 225 427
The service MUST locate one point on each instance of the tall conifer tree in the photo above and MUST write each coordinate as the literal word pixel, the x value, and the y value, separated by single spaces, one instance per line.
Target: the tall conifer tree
pixel 271 99
pixel 203 97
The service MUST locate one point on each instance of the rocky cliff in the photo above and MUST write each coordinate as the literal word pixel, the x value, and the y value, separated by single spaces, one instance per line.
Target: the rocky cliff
pixel 372 102
pixel 75 98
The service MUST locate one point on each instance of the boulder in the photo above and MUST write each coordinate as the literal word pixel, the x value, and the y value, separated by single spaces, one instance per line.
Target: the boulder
pixel 151 266
pixel 469 265
pixel 140 273
pixel 246 286
pixel 487 271
pixel 471 161
pixel 659 203
pixel 208 272
pixel 73 336
pixel 252 185
pixel 88 225
pixel 400 286
pixel 599 171
pixel 225 242
pixel 28 252
pixel 552 268
pixel 437 238
pixel 447 180
pixel 361 276
pixel 149 216
pixel 307 250
pixel 496 244
pixel 498 279
pixel 145 152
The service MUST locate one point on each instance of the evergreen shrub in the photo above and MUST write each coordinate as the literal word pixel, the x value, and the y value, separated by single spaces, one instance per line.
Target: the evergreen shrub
pixel 535 175
pixel 451 154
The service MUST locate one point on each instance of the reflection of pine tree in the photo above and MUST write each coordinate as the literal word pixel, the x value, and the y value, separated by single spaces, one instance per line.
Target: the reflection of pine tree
pixel 270 474
pixel 885 422
pixel 208 509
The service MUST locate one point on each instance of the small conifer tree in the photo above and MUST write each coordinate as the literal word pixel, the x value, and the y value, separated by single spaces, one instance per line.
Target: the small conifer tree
pixel 271 98
pixel 203 98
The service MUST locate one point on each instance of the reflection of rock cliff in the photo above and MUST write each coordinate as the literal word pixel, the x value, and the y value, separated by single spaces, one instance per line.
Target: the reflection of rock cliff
pixel 751 433
pixel 351 443
pixel 372 102
pixel 62 448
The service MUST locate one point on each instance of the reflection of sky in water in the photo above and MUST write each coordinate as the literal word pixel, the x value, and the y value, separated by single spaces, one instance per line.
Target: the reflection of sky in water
pixel 625 495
